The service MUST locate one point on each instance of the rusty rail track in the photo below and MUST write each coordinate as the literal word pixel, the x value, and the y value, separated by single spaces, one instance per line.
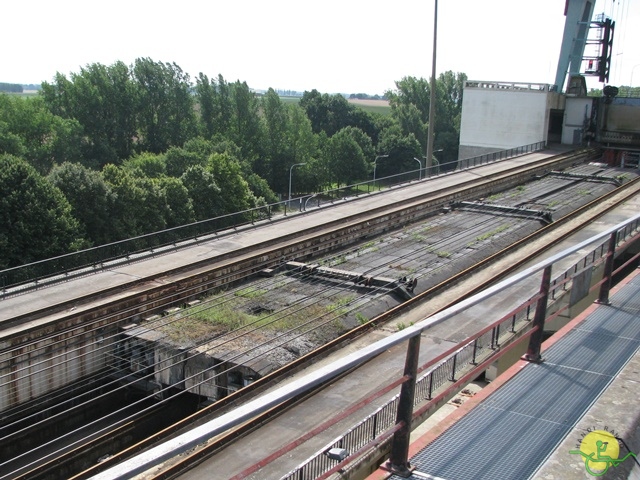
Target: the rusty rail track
pixel 609 201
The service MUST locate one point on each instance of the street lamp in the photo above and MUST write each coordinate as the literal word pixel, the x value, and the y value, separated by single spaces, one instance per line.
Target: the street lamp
pixel 419 168
pixel 432 93
pixel 290 174
pixel 374 165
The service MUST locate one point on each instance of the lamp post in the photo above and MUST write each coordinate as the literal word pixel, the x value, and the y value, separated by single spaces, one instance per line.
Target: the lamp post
pixel 419 168
pixel 290 174
pixel 375 164
pixel 432 93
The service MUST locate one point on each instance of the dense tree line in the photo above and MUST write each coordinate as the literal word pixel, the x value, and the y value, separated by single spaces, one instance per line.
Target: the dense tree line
pixel 11 87
pixel 117 151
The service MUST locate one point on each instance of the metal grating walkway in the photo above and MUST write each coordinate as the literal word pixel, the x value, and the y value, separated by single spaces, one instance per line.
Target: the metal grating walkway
pixel 511 433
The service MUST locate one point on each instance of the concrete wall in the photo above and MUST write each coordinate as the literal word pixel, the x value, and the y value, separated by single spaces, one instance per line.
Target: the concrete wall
pixel 47 365
pixel 577 114
pixel 498 116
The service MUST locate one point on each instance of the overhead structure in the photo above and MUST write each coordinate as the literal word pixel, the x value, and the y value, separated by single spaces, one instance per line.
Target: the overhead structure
pixel 578 15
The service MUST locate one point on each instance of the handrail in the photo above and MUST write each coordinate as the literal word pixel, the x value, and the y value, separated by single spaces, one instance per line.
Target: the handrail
pixel 70 265
pixel 204 432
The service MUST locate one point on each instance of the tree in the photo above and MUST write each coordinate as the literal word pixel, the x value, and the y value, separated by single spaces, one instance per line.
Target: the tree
pixel 205 192
pixel 235 193
pixel 345 158
pixel 401 150
pixel 328 113
pixel 29 130
pixel 208 107
pixel 150 164
pixel 410 106
pixel 103 100
pixel 35 217
pixel 178 209
pixel 90 198
pixel 136 209
pixel 165 108
pixel 246 128
pixel 215 106
pixel 179 159
pixel 260 189
pixel 277 154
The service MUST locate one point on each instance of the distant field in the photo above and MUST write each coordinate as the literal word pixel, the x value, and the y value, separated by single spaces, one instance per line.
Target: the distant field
pixel 374 106
pixel 25 93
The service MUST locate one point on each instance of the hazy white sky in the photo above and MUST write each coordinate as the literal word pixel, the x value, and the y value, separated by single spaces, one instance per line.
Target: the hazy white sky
pixel 347 46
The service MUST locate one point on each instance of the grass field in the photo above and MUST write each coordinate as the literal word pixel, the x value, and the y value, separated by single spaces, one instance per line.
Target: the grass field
pixel 373 106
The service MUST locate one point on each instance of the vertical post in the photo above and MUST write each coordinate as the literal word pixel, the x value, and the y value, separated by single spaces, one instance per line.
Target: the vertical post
pixel 398 462
pixel 475 352
pixel 603 297
pixel 432 94
pixel 535 341
pixel 453 367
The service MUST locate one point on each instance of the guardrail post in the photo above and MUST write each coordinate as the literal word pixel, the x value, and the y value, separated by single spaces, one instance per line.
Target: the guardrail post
pixel 398 462
pixel 475 352
pixel 535 341
pixel 603 296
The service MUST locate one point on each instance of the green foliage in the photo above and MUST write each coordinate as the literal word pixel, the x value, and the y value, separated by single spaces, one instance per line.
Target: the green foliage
pixel 29 130
pixel 492 233
pixel 90 198
pixel 332 113
pixel 401 150
pixel 235 194
pixel 246 129
pixel 35 217
pixel 165 105
pixel 128 150
pixel 345 158
pixel 201 184
pixel 138 201
pixel 250 292
pixel 150 164
pixel 410 106
pixel 178 208
pixel 178 159
pixel 260 189
pixel 104 101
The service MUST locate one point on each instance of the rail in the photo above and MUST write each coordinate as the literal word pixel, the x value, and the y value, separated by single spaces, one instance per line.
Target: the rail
pixel 91 260
pixel 445 369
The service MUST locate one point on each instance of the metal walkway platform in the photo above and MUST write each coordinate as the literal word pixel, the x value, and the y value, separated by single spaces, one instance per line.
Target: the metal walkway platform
pixel 512 432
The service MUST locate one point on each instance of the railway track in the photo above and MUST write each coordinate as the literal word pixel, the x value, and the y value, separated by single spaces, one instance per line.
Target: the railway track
pixel 256 386
pixel 180 282
pixel 585 214
pixel 611 199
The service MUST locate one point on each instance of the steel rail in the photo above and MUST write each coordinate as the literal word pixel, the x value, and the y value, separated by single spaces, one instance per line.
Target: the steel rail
pixel 185 441
pixel 494 179
pixel 524 241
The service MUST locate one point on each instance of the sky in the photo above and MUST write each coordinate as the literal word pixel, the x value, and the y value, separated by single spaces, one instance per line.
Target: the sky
pixel 334 46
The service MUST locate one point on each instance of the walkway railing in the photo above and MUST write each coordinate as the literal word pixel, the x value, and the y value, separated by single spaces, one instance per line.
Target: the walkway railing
pixel 84 262
pixel 442 376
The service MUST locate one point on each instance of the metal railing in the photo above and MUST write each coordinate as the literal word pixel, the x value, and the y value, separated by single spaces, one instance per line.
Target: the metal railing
pixel 443 372
pixel 84 262
pixel 457 364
